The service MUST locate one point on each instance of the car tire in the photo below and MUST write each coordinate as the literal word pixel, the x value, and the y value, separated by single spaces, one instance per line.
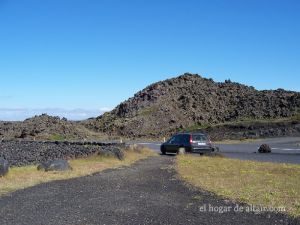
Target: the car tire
pixel 163 151
pixel 181 151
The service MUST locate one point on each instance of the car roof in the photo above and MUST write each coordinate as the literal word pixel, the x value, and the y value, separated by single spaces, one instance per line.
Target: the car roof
pixel 191 133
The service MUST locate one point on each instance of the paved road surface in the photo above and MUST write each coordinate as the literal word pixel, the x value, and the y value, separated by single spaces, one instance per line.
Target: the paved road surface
pixel 147 192
pixel 284 150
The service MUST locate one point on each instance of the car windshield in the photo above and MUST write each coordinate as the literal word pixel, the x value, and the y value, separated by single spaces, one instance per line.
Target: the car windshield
pixel 199 137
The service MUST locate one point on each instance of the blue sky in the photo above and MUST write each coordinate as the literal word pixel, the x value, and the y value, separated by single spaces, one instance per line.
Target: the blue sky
pixel 76 58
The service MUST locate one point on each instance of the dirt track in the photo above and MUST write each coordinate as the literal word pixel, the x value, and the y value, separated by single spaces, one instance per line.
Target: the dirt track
pixel 147 192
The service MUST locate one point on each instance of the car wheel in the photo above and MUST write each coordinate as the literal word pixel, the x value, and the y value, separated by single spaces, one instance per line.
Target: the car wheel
pixel 181 151
pixel 163 151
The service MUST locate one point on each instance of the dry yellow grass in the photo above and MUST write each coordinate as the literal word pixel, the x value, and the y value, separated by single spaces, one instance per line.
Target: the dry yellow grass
pixel 256 183
pixel 28 176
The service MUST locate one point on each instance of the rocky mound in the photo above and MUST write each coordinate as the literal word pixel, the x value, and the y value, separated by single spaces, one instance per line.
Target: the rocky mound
pixel 42 127
pixel 193 101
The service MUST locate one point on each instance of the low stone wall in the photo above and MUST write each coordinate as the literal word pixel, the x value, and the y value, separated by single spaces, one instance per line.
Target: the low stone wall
pixel 21 153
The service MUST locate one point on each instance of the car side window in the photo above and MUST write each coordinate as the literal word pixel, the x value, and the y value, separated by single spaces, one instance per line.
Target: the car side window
pixel 172 140
pixel 175 140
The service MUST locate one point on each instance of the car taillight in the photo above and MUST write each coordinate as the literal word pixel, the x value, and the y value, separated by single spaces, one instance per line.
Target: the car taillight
pixel 191 139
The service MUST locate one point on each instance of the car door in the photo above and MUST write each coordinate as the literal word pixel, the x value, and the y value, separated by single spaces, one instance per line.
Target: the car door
pixel 172 145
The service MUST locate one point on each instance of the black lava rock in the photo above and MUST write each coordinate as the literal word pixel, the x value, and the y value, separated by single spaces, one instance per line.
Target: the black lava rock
pixel 264 148
pixel 112 152
pixel 55 165
pixel 4 167
pixel 118 153
pixel 22 153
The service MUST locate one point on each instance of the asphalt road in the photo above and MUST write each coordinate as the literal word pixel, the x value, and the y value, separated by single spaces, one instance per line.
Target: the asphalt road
pixel 284 150
pixel 148 192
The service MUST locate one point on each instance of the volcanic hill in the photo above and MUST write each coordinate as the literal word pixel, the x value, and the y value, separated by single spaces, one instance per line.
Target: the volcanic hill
pixel 189 102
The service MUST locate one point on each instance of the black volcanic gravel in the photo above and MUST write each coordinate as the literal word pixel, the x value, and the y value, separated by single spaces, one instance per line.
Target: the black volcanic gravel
pixel 147 192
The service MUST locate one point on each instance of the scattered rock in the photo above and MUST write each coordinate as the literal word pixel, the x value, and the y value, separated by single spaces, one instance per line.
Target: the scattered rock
pixel 4 167
pixel 118 153
pixel 55 165
pixel 113 152
pixel 264 148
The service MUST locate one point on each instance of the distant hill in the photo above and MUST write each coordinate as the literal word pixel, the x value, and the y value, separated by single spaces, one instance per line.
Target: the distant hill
pixel 44 127
pixel 190 102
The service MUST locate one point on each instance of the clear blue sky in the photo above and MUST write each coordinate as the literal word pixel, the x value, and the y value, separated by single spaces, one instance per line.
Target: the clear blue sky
pixel 89 55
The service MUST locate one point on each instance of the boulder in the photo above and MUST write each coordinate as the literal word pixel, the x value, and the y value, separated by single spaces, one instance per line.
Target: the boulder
pixel 118 153
pixel 4 167
pixel 113 152
pixel 55 165
pixel 264 148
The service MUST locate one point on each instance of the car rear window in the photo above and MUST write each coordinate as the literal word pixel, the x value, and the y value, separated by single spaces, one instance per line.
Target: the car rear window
pixel 199 137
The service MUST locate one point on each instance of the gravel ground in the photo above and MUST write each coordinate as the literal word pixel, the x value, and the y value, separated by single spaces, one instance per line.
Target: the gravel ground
pixel 147 192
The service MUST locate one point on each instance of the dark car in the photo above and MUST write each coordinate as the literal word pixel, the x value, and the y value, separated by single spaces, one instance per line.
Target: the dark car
pixel 188 142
